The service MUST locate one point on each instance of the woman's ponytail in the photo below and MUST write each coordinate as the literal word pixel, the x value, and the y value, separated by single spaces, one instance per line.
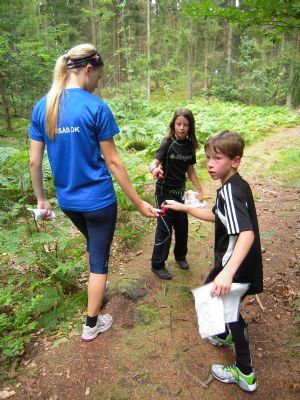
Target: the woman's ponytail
pixel 60 79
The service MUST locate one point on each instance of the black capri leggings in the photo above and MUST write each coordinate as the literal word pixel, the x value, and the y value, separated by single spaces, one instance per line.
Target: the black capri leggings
pixel 98 228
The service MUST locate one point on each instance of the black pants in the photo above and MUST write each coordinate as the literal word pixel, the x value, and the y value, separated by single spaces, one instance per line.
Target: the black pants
pixel 163 236
pixel 240 338
pixel 98 228
pixel 241 344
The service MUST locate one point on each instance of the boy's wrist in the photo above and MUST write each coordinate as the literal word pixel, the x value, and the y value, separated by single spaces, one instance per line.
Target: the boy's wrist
pixel 230 270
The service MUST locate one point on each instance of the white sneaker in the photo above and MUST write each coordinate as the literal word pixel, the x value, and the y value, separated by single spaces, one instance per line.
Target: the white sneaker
pixel 104 322
pixel 231 374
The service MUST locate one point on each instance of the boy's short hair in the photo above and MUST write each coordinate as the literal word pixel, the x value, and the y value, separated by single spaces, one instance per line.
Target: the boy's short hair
pixel 226 142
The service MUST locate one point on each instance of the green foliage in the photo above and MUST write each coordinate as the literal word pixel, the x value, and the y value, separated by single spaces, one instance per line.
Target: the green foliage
pixel 134 137
pixel 130 229
pixel 297 305
pixel 147 314
pixel 287 167
pixel 42 263
pixel 295 86
pixel 39 283
pixel 257 84
pixel 281 15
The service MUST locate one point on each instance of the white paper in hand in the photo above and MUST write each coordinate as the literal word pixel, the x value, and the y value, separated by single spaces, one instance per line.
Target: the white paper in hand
pixel 214 312
pixel 192 199
pixel 40 212
pixel 210 311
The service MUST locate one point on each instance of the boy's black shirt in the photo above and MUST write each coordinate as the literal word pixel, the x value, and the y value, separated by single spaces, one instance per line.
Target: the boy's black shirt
pixel 175 157
pixel 234 213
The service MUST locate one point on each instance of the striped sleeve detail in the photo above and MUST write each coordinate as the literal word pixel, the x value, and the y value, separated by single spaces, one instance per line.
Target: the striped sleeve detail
pixel 232 222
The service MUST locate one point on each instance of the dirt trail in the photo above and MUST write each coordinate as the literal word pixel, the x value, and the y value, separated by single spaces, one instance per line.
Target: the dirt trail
pixel 154 350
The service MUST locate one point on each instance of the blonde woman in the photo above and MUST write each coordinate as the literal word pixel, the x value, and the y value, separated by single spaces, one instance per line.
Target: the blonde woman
pixel 78 129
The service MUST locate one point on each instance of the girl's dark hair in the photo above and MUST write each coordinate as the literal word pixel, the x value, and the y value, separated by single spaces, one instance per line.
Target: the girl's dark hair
pixel 226 142
pixel 186 113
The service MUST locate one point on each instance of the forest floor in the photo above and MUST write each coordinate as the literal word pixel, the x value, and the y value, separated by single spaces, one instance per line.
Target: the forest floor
pixel 154 350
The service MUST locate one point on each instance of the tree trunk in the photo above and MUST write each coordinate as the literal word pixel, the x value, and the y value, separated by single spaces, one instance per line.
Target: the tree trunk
pixel 229 52
pixel 189 72
pixel 289 95
pixel 93 25
pixel 148 51
pixel 116 44
pixel 205 86
pixel 232 3
pixel 189 61
pixel 5 104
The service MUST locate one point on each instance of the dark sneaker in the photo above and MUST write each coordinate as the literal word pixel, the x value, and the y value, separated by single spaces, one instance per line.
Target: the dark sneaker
pixel 162 273
pixel 216 341
pixel 231 374
pixel 183 264
pixel 104 322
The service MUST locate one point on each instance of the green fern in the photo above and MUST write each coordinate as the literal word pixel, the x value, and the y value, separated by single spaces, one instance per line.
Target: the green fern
pixel 295 86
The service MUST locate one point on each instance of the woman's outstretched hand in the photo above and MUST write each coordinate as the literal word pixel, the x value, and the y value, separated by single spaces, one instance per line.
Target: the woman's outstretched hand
pixel 147 210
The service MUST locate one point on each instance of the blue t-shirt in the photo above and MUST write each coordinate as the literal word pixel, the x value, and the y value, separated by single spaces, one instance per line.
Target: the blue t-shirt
pixel 81 177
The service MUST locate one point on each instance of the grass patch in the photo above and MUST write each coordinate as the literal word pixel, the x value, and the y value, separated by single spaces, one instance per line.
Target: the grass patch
pixel 287 167
pixel 268 235
pixel 147 314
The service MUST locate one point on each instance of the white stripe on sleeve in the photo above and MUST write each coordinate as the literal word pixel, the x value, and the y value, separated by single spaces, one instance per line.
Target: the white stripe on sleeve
pixel 233 226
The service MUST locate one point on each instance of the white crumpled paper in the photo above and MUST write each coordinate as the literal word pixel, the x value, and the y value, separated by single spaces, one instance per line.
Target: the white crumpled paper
pixel 41 212
pixel 192 199
pixel 214 312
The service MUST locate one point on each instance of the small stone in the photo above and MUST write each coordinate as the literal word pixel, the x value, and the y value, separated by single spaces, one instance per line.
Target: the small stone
pixel 5 394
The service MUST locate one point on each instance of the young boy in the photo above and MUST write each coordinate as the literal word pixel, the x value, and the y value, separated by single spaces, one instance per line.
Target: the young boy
pixel 237 247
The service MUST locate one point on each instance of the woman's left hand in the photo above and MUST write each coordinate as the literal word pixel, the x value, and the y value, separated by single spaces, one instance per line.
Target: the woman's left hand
pixel 45 205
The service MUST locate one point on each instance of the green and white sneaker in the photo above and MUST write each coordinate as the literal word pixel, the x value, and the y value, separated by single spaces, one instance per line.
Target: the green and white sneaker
pixel 216 341
pixel 231 374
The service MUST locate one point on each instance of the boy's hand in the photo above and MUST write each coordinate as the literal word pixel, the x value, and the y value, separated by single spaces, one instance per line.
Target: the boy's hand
pixel 172 205
pixel 221 284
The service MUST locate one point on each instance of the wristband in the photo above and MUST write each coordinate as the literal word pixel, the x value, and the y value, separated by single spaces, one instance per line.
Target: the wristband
pixel 152 169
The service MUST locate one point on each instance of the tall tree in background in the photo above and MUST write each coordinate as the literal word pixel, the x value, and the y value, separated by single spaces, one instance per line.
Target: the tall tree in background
pixel 148 48
pixel 274 19
pixel 231 3
pixel 246 51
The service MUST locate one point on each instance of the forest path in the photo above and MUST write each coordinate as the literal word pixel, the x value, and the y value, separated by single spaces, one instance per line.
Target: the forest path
pixel 154 350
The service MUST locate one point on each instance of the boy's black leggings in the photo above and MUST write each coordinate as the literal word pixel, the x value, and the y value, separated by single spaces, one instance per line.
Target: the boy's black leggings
pixel 240 337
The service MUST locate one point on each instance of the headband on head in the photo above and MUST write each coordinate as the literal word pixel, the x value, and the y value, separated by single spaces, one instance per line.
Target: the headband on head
pixel 93 59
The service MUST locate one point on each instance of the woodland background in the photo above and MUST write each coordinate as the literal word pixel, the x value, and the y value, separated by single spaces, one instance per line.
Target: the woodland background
pixel 247 53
